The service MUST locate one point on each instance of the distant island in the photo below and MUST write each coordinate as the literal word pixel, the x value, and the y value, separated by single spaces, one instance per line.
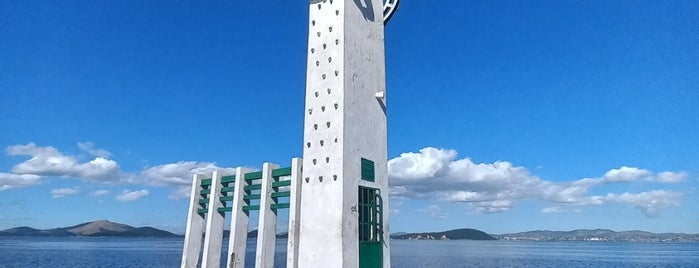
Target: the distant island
pixel 92 229
pixel 575 235
pixel 104 228
pixel 457 234
pixel 599 235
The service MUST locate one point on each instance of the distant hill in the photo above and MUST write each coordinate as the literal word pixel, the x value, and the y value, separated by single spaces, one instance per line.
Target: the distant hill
pixel 95 228
pixel 599 235
pixel 457 234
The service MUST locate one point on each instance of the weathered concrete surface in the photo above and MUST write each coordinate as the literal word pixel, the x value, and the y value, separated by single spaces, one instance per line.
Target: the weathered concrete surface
pixel 195 225
pixel 344 122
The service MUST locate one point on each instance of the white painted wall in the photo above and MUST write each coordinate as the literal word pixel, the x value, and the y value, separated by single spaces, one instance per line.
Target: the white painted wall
pixel 214 225
pixel 292 247
pixel 267 223
pixel 195 227
pixel 237 239
pixel 343 123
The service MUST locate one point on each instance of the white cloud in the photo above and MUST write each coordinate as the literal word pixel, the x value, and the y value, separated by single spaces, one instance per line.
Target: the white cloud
pixel 89 147
pixel 671 177
pixel 429 163
pixel 48 161
pixel 127 195
pixel 11 181
pixel 432 174
pixel 493 206
pixel 650 203
pixel 99 169
pixel 434 211
pixel 100 193
pixel 44 161
pixel 625 174
pixel 559 209
pixel 178 175
pixel 436 174
pixel 556 209
pixel 58 193
pixel 180 192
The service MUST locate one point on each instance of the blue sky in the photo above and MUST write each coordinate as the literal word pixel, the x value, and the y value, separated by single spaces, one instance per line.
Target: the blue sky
pixel 504 116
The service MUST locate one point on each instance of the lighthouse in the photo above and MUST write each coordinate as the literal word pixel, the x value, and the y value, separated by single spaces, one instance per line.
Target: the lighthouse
pixel 344 206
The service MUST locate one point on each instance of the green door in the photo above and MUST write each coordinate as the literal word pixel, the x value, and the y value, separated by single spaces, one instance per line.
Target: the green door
pixel 370 228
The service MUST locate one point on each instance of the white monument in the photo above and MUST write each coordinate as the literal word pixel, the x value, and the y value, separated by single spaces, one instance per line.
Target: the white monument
pixel 344 219
pixel 337 195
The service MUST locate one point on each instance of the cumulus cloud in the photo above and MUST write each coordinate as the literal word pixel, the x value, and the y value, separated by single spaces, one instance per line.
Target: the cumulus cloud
pixel 434 211
pixel 559 209
pixel 671 177
pixel 59 193
pixel 128 196
pixel 100 193
pixel 89 148
pixel 44 160
pixel 179 175
pixel 650 203
pixel 431 174
pixel 11 181
pixel 180 192
pixel 48 161
pixel 437 174
pixel 429 163
pixel 625 174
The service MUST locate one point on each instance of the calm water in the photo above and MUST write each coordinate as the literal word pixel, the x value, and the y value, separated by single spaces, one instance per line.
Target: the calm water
pixel 130 252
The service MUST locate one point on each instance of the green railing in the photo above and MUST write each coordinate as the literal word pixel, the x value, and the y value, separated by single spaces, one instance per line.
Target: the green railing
pixel 252 183
pixel 204 196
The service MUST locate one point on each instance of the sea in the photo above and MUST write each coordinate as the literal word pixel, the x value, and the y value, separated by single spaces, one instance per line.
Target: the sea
pixel 77 252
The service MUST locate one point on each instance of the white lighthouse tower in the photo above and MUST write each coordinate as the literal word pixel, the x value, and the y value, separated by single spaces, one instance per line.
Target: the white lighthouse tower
pixel 344 204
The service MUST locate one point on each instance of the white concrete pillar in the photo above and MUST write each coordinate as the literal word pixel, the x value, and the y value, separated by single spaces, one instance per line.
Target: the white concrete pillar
pixel 214 226
pixel 237 241
pixel 292 246
pixel 267 225
pixel 195 225
pixel 345 121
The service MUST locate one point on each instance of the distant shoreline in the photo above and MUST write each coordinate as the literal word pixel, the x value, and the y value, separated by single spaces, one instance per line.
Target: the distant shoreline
pixel 104 228
pixel 580 235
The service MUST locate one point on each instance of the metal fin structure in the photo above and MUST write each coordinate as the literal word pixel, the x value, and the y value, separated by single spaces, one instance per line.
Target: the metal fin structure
pixel 389 8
